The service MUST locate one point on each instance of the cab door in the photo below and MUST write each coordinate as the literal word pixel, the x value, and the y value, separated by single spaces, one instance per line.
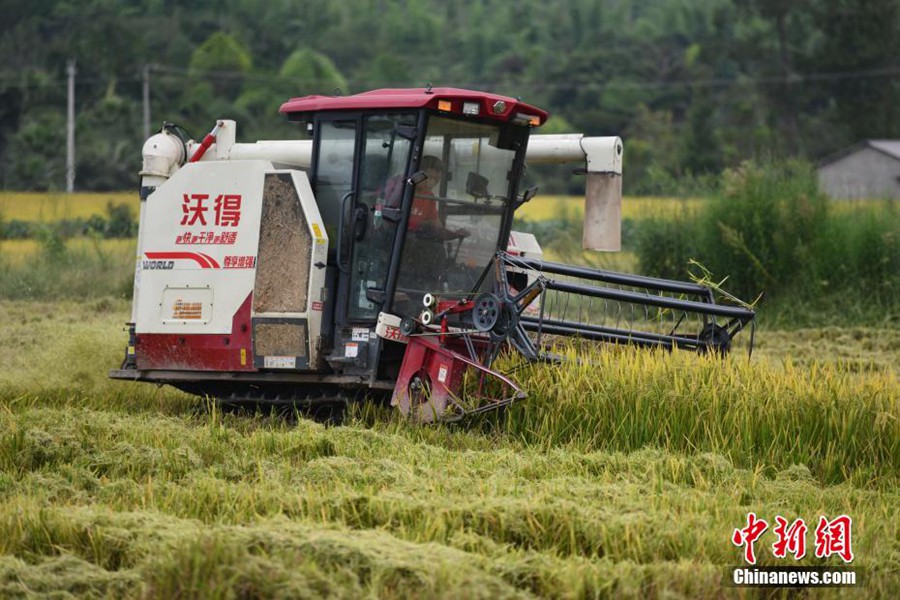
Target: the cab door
pixel 359 173
pixel 386 145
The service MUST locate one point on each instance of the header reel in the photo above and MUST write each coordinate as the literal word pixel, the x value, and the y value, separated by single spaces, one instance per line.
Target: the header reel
pixel 447 371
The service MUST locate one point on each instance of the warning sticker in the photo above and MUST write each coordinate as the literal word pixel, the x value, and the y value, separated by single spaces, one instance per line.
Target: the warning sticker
pixel 442 374
pixel 360 334
pixel 184 305
pixel 187 310
pixel 280 362
pixel 351 350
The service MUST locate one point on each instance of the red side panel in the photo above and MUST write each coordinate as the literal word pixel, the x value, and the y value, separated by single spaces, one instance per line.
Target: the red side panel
pixel 199 352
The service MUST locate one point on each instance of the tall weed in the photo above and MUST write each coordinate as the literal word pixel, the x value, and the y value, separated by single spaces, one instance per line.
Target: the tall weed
pixel 771 231
pixel 763 229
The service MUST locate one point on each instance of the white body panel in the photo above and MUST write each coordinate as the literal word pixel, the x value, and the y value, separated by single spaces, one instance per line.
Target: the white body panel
pixel 185 250
pixel 199 257
pixel 524 245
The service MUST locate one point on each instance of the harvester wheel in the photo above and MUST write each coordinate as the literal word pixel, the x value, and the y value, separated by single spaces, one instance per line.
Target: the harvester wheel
pixel 714 338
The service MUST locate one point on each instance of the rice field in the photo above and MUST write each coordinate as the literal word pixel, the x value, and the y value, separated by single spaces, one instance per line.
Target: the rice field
pixel 19 252
pixel 48 207
pixel 620 476
pixel 623 474
pixel 83 268
pixel 547 208
pixel 40 207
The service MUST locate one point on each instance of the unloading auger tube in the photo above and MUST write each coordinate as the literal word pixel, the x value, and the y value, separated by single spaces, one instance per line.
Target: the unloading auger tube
pixel 453 344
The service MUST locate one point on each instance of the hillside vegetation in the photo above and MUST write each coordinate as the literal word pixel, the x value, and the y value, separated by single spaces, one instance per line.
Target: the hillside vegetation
pixel 693 86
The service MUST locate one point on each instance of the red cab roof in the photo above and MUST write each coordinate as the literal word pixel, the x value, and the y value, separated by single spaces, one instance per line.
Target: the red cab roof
pixel 502 108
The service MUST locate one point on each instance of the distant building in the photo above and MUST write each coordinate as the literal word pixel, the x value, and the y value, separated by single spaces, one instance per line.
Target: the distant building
pixel 870 169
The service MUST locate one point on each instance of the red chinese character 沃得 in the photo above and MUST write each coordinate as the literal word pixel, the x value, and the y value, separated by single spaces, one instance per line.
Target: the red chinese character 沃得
pixel 193 212
pixel 748 535
pixel 833 537
pixel 228 210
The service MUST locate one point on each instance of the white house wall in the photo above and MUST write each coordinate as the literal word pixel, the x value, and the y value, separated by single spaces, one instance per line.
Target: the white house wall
pixel 866 173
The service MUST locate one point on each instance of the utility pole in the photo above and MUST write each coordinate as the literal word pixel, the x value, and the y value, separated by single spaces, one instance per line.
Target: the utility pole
pixel 146 101
pixel 70 130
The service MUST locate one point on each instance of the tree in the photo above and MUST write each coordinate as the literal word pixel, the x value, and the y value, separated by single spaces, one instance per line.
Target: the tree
pixel 221 60
pixel 701 152
pixel 311 72
pixel 860 37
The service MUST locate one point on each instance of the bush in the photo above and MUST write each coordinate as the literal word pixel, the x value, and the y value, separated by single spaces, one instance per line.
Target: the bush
pixel 664 245
pixel 770 230
pixel 17 230
pixel 861 249
pixel 53 245
pixel 120 223
pixel 762 229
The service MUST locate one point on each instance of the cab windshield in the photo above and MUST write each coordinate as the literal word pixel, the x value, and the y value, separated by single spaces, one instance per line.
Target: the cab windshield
pixel 457 211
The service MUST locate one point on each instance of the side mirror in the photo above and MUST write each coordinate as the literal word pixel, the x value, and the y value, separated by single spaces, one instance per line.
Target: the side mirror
pixel 526 196
pixel 417 178
pixel 407 132
pixel 477 185
pixel 529 194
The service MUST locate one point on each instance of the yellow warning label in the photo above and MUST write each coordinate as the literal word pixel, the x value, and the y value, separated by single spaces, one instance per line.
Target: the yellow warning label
pixel 187 310
pixel 243 356
pixel 317 230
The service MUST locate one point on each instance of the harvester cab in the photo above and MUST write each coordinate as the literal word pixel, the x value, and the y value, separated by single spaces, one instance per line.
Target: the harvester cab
pixel 377 256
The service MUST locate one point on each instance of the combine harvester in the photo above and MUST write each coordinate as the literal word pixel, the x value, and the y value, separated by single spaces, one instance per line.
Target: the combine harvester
pixel 376 257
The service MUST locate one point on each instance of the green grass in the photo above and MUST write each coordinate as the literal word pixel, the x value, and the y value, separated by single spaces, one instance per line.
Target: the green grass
pixel 55 268
pixel 620 478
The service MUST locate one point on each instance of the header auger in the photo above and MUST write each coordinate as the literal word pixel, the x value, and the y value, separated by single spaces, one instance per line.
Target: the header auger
pixel 376 257
pixel 590 304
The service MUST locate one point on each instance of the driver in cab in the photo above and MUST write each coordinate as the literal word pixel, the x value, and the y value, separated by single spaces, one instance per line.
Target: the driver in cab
pixel 424 217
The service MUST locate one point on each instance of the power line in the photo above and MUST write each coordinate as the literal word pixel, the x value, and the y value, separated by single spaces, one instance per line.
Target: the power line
pixel 741 80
